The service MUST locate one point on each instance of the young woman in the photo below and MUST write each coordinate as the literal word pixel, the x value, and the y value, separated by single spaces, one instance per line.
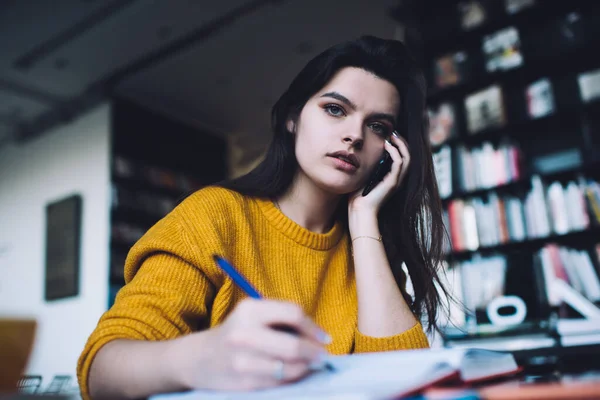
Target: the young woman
pixel 327 258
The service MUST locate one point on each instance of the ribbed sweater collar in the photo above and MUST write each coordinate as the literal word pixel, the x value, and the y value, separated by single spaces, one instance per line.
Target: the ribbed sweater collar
pixel 299 234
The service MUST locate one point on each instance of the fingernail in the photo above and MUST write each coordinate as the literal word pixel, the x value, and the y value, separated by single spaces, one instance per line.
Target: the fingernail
pixel 388 142
pixel 324 338
pixel 395 135
pixel 320 362
pixel 316 365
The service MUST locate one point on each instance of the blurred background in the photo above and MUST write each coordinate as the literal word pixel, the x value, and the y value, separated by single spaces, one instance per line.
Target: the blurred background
pixel 112 111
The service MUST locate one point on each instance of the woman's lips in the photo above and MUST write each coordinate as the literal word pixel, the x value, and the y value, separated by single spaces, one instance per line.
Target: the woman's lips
pixel 343 165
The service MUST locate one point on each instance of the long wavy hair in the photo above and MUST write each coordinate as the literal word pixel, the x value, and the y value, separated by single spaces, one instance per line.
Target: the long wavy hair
pixel 410 221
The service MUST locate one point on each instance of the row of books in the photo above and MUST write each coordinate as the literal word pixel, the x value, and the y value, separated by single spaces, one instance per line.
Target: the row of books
pixel 574 267
pixel 442 164
pixel 153 175
pixel 151 203
pixel 545 210
pixel 482 280
pixel 481 167
pixel 475 283
pixel 488 166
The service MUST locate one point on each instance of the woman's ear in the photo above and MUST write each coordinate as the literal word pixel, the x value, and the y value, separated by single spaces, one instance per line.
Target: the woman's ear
pixel 291 126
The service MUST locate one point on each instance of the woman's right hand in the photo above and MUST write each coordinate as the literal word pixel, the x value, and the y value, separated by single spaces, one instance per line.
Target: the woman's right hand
pixel 246 352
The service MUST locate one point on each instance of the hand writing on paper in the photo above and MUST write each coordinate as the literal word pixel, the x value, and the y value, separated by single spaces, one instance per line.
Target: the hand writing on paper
pixel 248 352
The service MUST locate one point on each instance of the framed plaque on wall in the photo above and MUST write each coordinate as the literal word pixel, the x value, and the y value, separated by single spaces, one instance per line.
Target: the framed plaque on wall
pixel 63 241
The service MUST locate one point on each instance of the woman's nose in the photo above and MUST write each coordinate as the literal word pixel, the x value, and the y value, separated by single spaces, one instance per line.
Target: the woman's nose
pixel 354 137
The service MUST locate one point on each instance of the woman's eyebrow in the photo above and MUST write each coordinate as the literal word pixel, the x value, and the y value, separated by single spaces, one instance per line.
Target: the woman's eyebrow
pixel 338 96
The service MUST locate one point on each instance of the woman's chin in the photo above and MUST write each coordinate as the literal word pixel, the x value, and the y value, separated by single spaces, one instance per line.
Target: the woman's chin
pixel 340 188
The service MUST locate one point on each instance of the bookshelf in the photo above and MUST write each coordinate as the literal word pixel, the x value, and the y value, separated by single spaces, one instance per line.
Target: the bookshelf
pixel 514 109
pixel 156 162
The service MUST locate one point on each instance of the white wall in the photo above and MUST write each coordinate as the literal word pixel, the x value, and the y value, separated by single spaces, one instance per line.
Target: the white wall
pixel 70 159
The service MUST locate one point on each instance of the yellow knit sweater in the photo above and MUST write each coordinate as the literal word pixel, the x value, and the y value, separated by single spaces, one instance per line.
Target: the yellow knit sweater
pixel 173 286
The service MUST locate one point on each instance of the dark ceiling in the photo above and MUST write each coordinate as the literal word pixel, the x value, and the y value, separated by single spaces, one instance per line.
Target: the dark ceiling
pixel 218 65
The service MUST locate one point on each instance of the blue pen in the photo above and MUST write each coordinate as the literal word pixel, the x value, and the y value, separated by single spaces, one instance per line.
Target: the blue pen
pixel 243 284
pixel 237 278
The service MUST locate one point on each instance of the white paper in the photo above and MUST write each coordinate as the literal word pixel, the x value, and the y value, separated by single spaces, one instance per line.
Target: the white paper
pixel 361 376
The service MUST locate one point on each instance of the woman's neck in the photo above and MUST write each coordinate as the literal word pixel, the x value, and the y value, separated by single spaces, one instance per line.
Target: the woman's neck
pixel 309 206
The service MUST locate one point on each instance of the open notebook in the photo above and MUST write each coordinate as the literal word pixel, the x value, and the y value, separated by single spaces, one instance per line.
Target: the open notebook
pixel 379 375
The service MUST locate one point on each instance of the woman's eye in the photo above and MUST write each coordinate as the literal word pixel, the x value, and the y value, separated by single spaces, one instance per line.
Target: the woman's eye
pixel 380 129
pixel 334 110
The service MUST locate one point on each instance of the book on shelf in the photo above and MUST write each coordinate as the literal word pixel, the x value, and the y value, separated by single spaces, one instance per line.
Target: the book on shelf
pixel 442 163
pixel 589 85
pixel 485 109
pixel 555 209
pixel 442 123
pixel 545 210
pixel 573 266
pixel 592 196
pixel 577 326
pixel 451 69
pixel 447 244
pixel 488 166
pixel 502 50
pixel 516 6
pixel 473 13
pixel 482 280
pixel 452 313
pixel 540 98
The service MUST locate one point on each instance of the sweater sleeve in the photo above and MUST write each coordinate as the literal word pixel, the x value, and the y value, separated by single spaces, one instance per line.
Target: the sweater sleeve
pixel 166 294
pixel 414 338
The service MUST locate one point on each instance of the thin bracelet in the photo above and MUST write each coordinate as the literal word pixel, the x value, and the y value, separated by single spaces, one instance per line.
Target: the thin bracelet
pixel 379 239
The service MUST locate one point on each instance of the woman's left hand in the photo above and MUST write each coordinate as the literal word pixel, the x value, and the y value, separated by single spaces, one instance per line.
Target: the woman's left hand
pixel 373 201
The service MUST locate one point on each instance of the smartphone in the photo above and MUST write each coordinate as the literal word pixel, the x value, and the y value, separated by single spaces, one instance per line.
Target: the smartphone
pixel 380 171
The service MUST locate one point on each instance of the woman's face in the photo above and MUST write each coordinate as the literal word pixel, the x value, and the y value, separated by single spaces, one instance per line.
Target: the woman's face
pixel 341 130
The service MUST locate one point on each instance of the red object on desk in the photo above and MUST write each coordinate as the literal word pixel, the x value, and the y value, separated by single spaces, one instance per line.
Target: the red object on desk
pixel 543 391
pixel 568 388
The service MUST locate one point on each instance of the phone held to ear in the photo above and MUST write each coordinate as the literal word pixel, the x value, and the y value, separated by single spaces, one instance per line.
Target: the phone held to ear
pixel 380 171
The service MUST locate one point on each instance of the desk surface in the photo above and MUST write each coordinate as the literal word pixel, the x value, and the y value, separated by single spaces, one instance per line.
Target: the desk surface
pixel 526 387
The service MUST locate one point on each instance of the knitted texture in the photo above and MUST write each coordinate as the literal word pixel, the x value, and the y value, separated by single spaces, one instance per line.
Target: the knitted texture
pixel 173 286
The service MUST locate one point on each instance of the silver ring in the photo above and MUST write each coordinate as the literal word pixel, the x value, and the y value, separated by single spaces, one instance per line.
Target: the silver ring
pixel 278 374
